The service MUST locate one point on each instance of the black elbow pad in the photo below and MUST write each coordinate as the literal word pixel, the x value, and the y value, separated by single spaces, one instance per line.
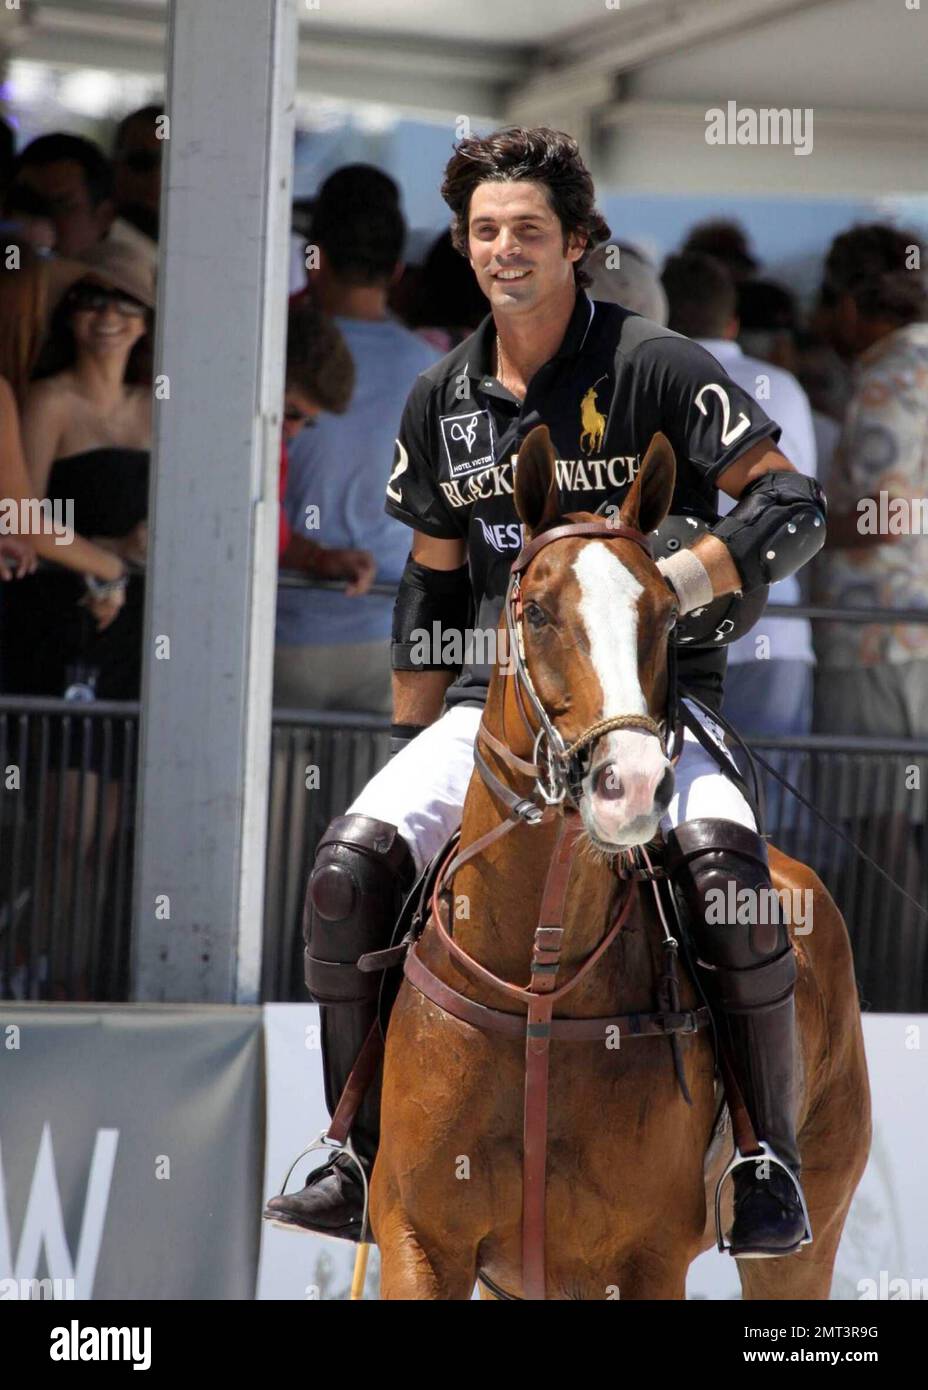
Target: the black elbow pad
pixel 776 527
pixel 430 605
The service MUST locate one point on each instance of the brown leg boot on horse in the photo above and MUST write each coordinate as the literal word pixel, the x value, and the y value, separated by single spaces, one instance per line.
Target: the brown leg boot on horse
pixel 363 869
pixel 751 976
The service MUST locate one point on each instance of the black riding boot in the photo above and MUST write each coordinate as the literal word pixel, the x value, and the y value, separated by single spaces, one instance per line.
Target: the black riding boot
pixel 751 977
pixel 362 870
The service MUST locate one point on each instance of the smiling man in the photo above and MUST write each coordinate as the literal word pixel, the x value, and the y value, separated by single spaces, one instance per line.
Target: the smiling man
pixel 604 381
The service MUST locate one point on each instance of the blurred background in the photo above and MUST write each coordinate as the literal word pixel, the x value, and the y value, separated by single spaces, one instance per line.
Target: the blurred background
pixel 386 86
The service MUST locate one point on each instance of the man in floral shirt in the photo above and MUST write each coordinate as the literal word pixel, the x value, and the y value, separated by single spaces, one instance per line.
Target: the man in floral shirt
pixel 873 678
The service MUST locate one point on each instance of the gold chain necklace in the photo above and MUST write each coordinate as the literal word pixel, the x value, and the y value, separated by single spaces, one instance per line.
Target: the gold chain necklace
pixel 499 369
pixel 499 361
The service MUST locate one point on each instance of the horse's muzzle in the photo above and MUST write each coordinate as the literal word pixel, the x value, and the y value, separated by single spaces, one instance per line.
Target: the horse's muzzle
pixel 624 801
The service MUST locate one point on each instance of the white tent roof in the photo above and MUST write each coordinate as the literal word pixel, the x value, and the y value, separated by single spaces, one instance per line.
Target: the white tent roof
pixel 631 78
pixel 509 48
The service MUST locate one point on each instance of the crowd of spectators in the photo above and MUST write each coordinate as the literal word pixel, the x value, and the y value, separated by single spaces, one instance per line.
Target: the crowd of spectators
pixel 846 380
pixel 332 649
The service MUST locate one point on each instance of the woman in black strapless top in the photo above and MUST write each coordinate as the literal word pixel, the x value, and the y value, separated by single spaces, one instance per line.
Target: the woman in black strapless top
pixel 49 632
pixel 86 429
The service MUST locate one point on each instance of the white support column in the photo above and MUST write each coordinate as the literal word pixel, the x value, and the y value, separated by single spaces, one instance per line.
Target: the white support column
pixel 206 701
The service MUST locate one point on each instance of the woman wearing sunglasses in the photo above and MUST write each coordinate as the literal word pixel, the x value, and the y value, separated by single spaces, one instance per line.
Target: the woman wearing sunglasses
pixel 25 536
pixel 86 429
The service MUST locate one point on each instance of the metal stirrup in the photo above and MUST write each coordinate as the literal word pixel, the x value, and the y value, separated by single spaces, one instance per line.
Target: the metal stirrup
pixel 766 1154
pixel 324 1141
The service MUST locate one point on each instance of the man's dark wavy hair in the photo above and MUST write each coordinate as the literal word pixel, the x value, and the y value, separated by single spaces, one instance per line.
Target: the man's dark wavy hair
pixel 61 148
pixel 548 157
pixel 358 222
pixel 871 264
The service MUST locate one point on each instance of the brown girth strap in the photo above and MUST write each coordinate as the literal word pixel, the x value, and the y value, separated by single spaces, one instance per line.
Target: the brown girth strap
pixel 742 1128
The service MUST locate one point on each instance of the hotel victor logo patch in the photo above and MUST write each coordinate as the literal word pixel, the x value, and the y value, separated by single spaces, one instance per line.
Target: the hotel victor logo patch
pixel 468 441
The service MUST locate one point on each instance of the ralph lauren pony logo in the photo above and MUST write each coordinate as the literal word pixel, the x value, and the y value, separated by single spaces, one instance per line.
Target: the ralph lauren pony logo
pixel 592 421
pixel 468 441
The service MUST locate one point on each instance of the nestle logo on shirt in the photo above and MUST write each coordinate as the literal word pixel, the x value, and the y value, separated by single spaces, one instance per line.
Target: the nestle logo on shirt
pixel 505 536
pixel 468 441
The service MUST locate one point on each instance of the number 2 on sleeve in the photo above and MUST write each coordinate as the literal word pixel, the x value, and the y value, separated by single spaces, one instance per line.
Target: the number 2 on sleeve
pixel 400 468
pixel 729 435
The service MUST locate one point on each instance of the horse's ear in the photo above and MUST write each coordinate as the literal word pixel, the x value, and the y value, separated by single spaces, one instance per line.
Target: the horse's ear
pixel 536 496
pixel 648 502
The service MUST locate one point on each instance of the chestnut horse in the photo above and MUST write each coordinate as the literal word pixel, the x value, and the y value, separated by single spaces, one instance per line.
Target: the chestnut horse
pixel 632 1167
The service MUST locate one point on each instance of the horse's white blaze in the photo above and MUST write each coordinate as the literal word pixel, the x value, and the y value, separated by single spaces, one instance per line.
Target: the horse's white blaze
pixel 609 595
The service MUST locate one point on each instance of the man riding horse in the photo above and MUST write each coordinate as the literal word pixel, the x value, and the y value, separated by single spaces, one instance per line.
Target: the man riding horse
pixel 524 215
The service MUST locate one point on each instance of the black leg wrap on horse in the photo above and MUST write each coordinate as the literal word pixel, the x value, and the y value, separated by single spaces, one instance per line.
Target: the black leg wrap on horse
pixel 362 870
pixel 751 971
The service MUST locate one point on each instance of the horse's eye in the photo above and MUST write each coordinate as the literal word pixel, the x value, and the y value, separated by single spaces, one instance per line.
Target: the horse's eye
pixel 672 617
pixel 535 614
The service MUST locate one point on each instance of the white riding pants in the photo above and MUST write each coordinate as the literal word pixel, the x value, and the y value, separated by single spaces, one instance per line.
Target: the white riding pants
pixel 421 790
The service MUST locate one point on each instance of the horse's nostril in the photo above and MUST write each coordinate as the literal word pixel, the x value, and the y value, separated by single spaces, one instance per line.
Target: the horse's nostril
pixel 665 790
pixel 607 783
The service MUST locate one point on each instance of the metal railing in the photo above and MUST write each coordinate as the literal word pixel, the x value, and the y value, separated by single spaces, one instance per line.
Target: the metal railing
pixel 876 792
pixel 67 830
pixel 319 763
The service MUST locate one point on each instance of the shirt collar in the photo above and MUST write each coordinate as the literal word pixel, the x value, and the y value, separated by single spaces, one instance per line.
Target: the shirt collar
pixel 578 326
pixel 480 362
pixel 721 347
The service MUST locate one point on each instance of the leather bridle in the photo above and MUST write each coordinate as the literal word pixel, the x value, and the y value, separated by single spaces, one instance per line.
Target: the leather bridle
pixel 559 768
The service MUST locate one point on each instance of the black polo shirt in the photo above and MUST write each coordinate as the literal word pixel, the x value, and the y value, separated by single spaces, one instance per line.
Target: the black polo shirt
pixel 615 380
